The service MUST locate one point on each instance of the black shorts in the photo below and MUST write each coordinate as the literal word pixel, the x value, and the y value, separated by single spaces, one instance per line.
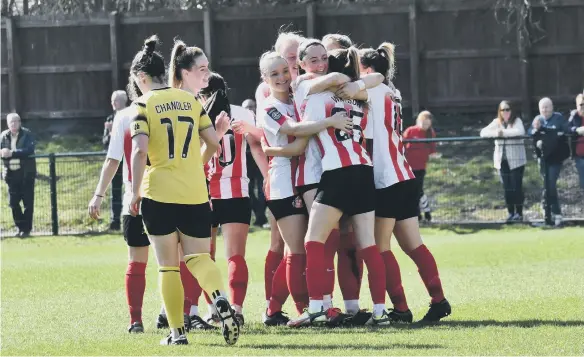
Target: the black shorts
pixel 303 189
pixel 166 218
pixel 231 210
pixel 350 189
pixel 134 233
pixel 288 206
pixel 399 201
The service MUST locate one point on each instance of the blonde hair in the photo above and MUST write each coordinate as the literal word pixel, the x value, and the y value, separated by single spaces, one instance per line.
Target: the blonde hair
pixel 286 37
pixel 424 115
pixel 181 57
pixel 342 41
pixel 266 59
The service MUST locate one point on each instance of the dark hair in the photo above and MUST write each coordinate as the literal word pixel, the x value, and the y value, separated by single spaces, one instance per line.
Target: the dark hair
pixel 216 96
pixel 305 45
pixel 181 57
pixel 345 61
pixel 382 60
pixel 147 61
pixel 341 40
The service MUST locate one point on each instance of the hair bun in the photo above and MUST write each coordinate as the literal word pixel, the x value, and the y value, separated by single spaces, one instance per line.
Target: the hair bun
pixel 150 44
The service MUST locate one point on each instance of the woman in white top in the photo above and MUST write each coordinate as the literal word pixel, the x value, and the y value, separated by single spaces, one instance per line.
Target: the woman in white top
pixel 509 157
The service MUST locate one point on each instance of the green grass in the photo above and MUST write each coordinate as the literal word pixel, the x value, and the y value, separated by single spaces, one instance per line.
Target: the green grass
pixel 513 292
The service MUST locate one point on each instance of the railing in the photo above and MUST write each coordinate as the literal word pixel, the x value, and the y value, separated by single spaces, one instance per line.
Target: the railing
pixel 462 187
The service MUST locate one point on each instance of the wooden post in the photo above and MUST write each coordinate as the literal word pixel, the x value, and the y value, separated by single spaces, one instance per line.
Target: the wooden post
pixel 310 20
pixel 208 36
pixel 524 69
pixel 114 50
pixel 414 59
pixel 25 7
pixel 12 56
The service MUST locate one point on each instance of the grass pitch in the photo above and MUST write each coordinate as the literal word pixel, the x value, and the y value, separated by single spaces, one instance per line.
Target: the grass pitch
pixel 513 292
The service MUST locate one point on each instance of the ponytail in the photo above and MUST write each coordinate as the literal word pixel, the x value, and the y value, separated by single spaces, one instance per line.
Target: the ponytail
pixel 174 75
pixel 387 51
pixel 147 61
pixel 353 62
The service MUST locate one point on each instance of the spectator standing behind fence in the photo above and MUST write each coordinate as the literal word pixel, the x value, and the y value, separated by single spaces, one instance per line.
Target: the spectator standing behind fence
pixel 577 127
pixel 17 147
pixel 119 102
pixel 256 180
pixel 418 154
pixel 509 157
pixel 547 130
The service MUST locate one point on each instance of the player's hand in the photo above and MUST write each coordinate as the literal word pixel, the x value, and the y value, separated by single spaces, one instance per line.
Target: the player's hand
pixel 94 207
pixel 222 123
pixel 264 144
pixel 341 121
pixel 348 90
pixel 241 127
pixel 135 204
pixel 304 77
pixel 580 130
pixel 6 153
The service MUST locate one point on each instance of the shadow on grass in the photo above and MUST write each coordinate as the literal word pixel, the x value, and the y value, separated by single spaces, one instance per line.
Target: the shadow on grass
pixel 330 346
pixel 495 323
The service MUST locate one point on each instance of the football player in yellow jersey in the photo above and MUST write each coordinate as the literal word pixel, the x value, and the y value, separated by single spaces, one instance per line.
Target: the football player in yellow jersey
pixel 169 183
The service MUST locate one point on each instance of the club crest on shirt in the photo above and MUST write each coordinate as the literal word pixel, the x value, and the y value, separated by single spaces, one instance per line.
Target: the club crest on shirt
pixel 297 203
pixel 274 114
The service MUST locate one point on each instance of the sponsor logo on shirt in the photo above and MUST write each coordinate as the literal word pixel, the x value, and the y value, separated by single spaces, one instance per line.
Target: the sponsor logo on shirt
pixel 274 114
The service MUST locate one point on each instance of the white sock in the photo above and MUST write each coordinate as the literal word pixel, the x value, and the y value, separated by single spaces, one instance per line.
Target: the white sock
pixel 238 309
pixel 175 333
pixel 194 310
pixel 327 301
pixel 378 309
pixel 315 306
pixel 352 306
pixel 267 304
pixel 162 311
pixel 211 309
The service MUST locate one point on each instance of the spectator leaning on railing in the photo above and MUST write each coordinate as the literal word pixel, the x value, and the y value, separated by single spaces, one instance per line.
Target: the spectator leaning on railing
pixel 119 101
pixel 509 157
pixel 548 131
pixel 17 146
pixel 577 127
pixel 418 154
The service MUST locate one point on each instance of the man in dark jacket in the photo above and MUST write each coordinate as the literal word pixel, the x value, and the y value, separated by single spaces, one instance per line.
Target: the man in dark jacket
pixel 119 102
pixel 577 128
pixel 17 147
pixel 549 131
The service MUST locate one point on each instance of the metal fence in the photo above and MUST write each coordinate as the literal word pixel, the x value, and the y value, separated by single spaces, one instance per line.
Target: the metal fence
pixel 461 185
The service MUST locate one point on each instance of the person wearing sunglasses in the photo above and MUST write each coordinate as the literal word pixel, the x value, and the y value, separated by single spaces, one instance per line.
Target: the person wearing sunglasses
pixel 577 128
pixel 509 157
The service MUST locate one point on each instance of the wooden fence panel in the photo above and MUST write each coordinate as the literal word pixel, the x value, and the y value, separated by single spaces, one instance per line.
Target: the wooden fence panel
pixel 69 45
pixel 4 98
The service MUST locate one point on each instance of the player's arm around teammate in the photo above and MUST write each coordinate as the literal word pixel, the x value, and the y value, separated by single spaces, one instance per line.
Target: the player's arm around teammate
pixel 169 185
pixel 396 208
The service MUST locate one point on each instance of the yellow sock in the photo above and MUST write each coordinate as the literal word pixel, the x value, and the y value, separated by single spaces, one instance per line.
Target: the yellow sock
pixel 205 270
pixel 172 292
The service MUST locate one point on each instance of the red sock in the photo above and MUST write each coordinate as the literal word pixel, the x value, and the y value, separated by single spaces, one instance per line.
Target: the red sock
pixel 315 269
pixel 428 272
pixel 350 268
pixel 296 278
pixel 376 273
pixel 238 278
pixel 189 283
pixel 135 286
pixel 393 282
pixel 330 249
pixel 273 260
pixel 280 291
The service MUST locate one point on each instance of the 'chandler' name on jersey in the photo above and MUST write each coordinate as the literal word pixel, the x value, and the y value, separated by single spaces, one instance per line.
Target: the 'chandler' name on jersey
pixel 174 105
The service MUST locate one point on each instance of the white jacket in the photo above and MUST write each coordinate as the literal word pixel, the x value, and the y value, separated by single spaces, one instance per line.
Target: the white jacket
pixel 514 149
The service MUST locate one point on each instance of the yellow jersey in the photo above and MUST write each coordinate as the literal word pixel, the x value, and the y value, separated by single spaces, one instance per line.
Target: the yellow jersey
pixel 172 119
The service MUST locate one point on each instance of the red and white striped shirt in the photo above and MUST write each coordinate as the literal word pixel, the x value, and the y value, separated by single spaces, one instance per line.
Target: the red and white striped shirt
pixel 389 160
pixel 262 92
pixel 339 149
pixel 228 172
pixel 309 165
pixel 120 148
pixel 282 170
